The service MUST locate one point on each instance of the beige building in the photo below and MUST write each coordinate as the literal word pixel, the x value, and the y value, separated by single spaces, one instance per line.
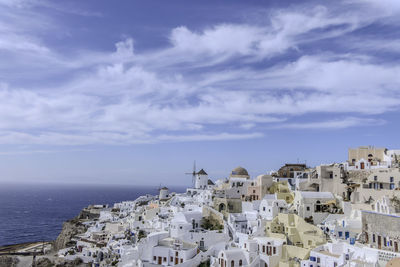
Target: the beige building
pixel 374 155
pixel 228 196
pixel 258 187
pixel 327 178
pixel 372 185
pixel 227 205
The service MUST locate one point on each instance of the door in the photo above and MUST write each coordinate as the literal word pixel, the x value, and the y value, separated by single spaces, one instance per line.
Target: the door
pixel 396 247
pixel 159 260
pixel 176 261
pixel 362 165
pixel 379 242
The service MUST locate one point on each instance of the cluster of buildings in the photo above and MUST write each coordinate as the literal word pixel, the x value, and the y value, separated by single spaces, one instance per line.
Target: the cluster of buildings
pixel 340 214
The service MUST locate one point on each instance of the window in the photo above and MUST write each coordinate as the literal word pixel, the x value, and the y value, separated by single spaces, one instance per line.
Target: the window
pixel 318 260
pixel 165 259
pixel 375 178
pixel 274 250
pixel 263 208
pixel 340 234
pixel 181 260
pixel 244 245
pixel 171 259
pixel 391 186
pixel 263 249
pixel 240 262
pixel 233 263
pixel 154 258
pixel 254 191
pixel 373 238
pixel 176 254
pixel 381 186
pixel 308 208
pixel 312 258
pixel 391 179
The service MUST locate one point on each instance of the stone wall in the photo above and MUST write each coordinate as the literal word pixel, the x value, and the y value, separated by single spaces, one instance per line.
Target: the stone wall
pixel 384 227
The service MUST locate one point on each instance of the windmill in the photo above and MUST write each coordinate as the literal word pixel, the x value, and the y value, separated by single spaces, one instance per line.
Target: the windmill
pixel 193 173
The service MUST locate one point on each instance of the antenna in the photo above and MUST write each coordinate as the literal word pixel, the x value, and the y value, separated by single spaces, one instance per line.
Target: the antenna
pixel 193 173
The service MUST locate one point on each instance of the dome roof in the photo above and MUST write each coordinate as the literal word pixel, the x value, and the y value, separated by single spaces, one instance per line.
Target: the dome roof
pixel 239 172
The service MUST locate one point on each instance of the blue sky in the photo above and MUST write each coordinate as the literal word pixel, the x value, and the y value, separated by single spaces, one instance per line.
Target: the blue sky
pixel 132 92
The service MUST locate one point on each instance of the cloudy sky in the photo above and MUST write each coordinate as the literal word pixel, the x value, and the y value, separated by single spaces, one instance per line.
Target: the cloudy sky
pixel 132 92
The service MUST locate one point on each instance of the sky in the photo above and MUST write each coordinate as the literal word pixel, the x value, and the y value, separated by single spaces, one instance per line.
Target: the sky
pixel 132 92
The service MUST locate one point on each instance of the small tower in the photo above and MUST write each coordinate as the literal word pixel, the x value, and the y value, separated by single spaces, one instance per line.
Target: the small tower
pixel 201 180
pixel 164 193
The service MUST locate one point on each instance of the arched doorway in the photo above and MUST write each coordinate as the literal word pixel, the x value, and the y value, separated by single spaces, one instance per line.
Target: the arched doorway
pixel 221 207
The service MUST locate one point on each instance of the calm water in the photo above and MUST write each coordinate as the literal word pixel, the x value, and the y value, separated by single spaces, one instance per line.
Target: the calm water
pixel 36 212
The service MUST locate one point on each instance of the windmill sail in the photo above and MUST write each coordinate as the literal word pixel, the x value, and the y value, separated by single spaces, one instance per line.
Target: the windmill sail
pixel 193 173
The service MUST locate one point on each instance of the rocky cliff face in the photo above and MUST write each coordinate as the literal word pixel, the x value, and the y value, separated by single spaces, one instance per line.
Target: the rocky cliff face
pixel 8 261
pixel 70 229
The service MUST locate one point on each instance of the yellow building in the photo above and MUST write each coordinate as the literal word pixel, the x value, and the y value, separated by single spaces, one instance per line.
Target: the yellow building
pixel 297 231
pixel 300 237
pixel 282 190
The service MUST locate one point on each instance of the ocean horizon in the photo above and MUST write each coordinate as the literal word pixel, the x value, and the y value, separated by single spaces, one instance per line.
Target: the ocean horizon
pixel 36 212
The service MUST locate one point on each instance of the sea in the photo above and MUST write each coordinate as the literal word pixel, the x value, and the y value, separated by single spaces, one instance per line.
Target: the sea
pixel 36 212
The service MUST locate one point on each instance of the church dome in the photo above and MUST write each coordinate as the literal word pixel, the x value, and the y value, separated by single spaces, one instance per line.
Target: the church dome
pixel 239 172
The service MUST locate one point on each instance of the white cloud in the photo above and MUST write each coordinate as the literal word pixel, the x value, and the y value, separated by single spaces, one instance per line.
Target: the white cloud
pixel 220 83
pixel 334 124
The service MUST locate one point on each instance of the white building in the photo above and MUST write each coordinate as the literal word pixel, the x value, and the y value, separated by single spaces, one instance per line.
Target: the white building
pixel 232 258
pixel 313 205
pixel 184 222
pixel 164 194
pixel 270 206
pixel 201 180
pixel 170 251
pixel 343 254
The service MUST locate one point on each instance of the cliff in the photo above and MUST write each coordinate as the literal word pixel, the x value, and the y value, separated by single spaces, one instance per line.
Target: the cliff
pixel 70 229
